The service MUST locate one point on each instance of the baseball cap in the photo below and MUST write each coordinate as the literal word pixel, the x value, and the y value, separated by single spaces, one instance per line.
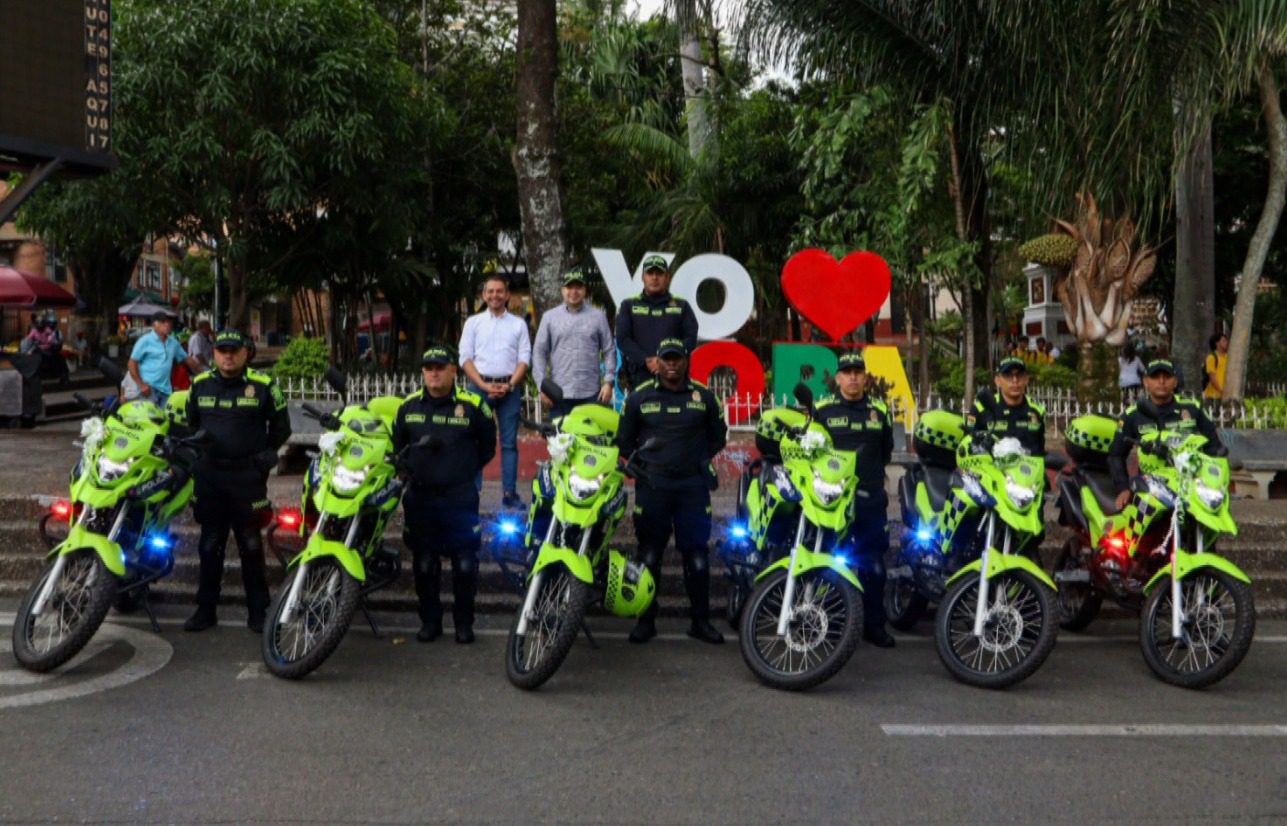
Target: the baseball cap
pixel 229 339
pixel 1159 366
pixel 671 347
pixel 574 277
pixel 436 355
pixel 163 315
pixel 852 361
pixel 1011 363
pixel 655 262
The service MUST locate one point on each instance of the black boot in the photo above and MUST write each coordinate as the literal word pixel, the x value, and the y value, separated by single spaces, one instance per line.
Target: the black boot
pixel 702 630
pixel 644 630
pixel 203 618
pixel 697 582
pixel 878 636
pixel 429 631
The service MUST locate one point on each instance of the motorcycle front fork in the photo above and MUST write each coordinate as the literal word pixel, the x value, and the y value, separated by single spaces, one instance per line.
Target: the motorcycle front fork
pixel 534 587
pixel 788 594
pixel 38 607
pixel 981 607
pixel 1177 608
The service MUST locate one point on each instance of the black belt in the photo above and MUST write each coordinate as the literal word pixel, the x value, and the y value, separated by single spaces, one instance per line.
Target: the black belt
pixel 495 379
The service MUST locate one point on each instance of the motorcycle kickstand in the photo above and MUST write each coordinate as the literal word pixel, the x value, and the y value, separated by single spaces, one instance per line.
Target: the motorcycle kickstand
pixel 147 609
pixel 375 629
pixel 585 629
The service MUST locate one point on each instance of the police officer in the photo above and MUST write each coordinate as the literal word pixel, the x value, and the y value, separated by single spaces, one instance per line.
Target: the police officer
pixel 645 319
pixel 1008 411
pixel 1169 412
pixel 245 415
pixel 441 502
pixel 860 422
pixel 673 490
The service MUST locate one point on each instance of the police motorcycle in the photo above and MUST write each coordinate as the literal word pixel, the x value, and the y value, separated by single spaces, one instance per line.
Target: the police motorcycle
pixel 578 498
pixel 797 604
pixel 350 491
pixel 133 478
pixel 996 621
pixel 931 549
pixel 1155 556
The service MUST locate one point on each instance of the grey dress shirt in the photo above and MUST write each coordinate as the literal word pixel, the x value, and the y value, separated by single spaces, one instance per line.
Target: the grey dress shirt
pixel 576 348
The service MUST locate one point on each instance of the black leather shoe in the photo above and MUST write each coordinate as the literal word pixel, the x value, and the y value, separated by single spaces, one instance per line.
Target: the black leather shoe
pixel 879 637
pixel 705 632
pixel 464 635
pixel 643 631
pixel 429 632
pixel 204 618
pixel 255 622
pixel 512 500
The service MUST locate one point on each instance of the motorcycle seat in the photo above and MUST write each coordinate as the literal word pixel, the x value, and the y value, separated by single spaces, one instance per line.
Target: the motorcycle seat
pixel 1101 486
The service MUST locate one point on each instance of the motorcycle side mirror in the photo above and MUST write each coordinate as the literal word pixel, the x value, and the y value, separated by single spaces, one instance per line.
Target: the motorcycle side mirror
pixel 549 388
pixel 337 380
pixel 111 370
pixel 803 394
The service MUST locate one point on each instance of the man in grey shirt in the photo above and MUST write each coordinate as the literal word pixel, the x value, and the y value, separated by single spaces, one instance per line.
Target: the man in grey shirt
pixel 575 346
pixel 201 345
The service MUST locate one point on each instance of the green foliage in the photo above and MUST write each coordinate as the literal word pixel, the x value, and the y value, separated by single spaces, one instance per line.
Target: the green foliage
pixel 1053 375
pixel 951 381
pixel 1268 413
pixel 1054 249
pixel 303 358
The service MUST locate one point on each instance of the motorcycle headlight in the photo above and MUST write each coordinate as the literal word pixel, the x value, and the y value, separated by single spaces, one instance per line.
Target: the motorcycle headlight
pixel 1209 496
pixel 1021 497
pixel 583 488
pixel 347 481
pixel 110 471
pixel 827 492
pixel 1159 491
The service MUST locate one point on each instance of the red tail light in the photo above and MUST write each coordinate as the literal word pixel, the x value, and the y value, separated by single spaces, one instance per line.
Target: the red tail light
pixel 61 509
pixel 289 518
pixel 1117 547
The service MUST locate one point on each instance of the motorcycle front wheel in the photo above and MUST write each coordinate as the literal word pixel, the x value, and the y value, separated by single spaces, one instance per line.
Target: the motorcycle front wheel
pixel 74 611
pixel 822 632
pixel 1019 629
pixel 295 646
pixel 1220 620
pixel 557 610
pixel 1078 603
pixel 904 605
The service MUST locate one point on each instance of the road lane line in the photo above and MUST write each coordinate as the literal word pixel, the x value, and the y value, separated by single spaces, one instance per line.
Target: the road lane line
pixel 252 671
pixel 1096 730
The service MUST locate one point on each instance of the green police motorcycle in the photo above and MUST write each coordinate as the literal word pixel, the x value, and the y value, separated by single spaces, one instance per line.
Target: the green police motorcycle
pixel 997 621
pixel 132 480
pixel 578 498
pixel 802 618
pixel 1156 556
pixel 350 492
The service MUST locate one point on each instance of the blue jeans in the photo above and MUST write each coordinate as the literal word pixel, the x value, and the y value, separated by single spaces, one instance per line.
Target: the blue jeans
pixel 507 411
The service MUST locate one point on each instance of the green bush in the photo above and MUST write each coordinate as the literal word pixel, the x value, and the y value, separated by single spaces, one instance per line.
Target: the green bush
pixel 1268 413
pixel 1053 375
pixel 303 358
pixel 951 381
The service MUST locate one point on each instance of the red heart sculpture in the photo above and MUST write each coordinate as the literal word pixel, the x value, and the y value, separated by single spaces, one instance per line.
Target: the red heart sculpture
pixel 836 297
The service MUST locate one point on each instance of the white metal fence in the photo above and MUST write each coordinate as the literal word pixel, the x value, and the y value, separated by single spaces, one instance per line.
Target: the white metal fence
pixel 1061 405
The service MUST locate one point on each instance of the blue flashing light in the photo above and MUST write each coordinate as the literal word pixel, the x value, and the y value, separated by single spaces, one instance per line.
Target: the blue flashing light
pixel 843 560
pixel 159 542
pixel 924 534
pixel 738 531
pixel 509 527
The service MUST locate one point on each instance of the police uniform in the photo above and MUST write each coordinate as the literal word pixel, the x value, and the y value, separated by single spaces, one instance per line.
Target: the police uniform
pixel 1181 414
pixel 643 321
pixel 441 502
pixel 1025 421
pixel 864 426
pixel 672 493
pixel 247 421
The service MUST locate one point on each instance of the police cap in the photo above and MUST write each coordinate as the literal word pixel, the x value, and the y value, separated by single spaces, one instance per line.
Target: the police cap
pixel 230 340
pixel 671 347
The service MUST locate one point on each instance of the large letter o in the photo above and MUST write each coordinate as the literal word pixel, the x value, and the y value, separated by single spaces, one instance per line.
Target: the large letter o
pixel 745 400
pixel 739 293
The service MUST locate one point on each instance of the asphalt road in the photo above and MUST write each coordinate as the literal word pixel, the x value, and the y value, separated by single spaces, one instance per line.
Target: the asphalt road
pixel 189 728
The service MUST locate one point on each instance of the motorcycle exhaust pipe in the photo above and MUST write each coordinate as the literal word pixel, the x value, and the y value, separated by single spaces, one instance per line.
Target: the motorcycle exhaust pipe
pixel 529 599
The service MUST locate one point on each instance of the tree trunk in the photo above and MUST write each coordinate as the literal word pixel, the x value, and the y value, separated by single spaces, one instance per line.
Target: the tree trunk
pixel 701 131
pixel 238 300
pixel 1244 310
pixel 536 152
pixel 1193 310
pixel 959 195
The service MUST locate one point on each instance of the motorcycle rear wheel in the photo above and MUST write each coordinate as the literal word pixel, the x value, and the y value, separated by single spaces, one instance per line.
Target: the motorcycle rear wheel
pixel 75 610
pixel 557 610
pixel 1018 633
pixel 1217 632
pixel 1078 604
pixel 822 634
pixel 904 605
pixel 328 596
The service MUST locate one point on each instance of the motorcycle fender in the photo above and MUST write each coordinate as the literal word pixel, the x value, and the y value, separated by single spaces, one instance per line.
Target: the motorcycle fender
pixel 999 562
pixel 107 550
pixel 1187 563
pixel 318 547
pixel 579 565
pixel 1220 521
pixel 806 560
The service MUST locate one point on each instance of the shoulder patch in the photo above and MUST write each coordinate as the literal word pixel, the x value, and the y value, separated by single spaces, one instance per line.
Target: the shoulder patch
pixel 203 376
pixel 255 375
pixel 877 404
pixel 416 395
pixel 466 396
pixel 1037 406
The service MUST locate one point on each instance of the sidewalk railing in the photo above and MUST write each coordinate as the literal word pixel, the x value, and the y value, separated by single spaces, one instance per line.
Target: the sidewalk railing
pixel 1061 406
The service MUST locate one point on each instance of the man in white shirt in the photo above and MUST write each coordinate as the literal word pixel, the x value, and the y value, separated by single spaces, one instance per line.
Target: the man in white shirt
pixel 495 351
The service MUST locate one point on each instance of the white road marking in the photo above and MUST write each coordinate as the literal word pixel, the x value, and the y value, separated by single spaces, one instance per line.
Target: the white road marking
pixel 1095 730
pixel 151 654
pixel 252 671
pixel 20 677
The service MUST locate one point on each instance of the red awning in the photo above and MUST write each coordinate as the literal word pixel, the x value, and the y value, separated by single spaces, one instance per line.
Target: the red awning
pixel 23 289
pixel 381 323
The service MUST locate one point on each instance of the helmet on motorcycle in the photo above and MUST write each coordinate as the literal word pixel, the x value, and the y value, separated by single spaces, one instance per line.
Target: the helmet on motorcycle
pixel 631 587
pixel 937 435
pixel 177 407
pixel 1087 439
pixel 773 428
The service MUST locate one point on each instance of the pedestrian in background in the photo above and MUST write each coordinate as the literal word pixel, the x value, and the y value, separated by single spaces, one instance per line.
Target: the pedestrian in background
pixel 201 346
pixel 644 320
pixel 574 345
pixel 495 351
pixel 1215 365
pixel 1130 372
pixel 153 356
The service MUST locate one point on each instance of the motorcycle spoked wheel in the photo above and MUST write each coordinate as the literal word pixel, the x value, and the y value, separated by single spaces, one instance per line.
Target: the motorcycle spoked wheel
pixel 1078 603
pixel 904 605
pixel 1019 629
pixel 825 625
pixel 75 610
pixel 1217 633
pixel 328 596
pixel 557 611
